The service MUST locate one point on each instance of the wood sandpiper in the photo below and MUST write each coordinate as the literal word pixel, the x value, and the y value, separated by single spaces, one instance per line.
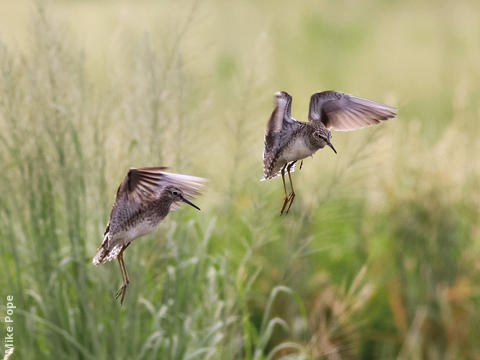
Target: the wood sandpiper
pixel 288 140
pixel 143 200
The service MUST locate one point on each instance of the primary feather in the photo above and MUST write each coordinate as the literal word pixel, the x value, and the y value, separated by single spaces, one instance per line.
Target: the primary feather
pixel 344 112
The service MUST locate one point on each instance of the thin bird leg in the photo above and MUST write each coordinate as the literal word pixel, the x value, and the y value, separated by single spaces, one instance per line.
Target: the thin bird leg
pixel 123 289
pixel 301 164
pixel 285 200
pixel 292 194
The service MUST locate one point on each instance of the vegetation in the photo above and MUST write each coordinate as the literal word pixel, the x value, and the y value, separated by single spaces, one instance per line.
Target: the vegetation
pixel 378 257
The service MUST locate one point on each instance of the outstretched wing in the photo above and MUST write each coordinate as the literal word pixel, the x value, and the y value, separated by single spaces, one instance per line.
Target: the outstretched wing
pixel 142 186
pixel 344 112
pixel 280 126
pixel 138 188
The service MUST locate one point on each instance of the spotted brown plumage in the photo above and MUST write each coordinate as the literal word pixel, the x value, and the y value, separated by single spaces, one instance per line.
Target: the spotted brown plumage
pixel 288 140
pixel 279 129
pixel 143 200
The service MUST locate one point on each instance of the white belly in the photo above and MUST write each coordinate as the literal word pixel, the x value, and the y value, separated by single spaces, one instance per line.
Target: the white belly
pixel 141 229
pixel 123 238
pixel 297 150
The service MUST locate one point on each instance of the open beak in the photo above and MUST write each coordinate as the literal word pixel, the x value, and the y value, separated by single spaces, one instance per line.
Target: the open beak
pixel 190 203
pixel 330 144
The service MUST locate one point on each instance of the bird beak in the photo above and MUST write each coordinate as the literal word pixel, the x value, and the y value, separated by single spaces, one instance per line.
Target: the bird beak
pixel 330 144
pixel 190 203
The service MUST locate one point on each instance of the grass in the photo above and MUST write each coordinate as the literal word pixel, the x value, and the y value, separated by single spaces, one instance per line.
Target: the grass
pixel 379 255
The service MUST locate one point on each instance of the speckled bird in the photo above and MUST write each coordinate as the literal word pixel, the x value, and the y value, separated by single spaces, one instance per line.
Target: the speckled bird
pixel 144 199
pixel 288 140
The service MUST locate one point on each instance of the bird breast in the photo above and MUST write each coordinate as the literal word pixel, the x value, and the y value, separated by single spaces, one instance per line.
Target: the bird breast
pixel 142 228
pixel 296 149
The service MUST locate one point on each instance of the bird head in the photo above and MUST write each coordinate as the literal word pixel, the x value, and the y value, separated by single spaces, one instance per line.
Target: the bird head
pixel 177 195
pixel 321 137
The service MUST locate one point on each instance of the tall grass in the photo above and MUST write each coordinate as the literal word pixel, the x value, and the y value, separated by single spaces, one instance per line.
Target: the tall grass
pixel 58 132
pixel 377 259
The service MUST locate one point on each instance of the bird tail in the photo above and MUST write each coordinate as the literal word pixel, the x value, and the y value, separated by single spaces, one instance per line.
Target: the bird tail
pixel 100 255
pixel 105 252
pixel 274 175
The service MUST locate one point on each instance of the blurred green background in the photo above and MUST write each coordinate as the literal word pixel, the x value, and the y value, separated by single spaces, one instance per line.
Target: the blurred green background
pixel 378 258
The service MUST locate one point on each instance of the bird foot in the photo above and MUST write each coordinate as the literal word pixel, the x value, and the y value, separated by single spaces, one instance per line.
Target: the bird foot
pixel 121 293
pixel 287 201
pixel 291 197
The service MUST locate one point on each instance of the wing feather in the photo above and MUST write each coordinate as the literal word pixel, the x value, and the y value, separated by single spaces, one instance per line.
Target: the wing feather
pixel 344 112
pixel 143 185
pixel 279 126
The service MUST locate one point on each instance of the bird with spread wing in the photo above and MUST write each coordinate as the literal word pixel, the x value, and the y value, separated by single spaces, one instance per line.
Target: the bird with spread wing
pixel 143 200
pixel 288 140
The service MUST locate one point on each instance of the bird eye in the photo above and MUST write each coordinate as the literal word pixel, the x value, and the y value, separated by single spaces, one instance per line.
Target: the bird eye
pixel 175 193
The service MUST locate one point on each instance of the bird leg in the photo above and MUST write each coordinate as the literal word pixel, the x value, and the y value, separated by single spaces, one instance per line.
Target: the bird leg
pixel 301 164
pixel 292 194
pixel 285 200
pixel 123 289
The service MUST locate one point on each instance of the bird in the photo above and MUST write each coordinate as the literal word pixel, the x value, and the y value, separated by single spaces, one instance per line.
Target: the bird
pixel 288 140
pixel 143 200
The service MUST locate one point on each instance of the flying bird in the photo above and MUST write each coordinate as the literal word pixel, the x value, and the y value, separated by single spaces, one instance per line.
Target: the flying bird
pixel 288 140
pixel 143 200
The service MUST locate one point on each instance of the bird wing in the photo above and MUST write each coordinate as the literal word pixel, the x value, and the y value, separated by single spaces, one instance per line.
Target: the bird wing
pixel 344 112
pixel 139 187
pixel 279 127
